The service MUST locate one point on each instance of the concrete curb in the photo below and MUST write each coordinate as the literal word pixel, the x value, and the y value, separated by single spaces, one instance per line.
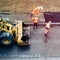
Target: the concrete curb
pixel 43 24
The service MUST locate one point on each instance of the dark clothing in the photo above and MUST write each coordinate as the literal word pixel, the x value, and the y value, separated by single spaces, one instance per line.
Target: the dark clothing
pixel 35 26
pixel 47 28
pixel 46 34
pixel 24 38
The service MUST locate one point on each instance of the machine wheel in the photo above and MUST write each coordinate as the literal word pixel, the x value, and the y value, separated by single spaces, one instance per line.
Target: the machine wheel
pixel 6 41
pixel 6 38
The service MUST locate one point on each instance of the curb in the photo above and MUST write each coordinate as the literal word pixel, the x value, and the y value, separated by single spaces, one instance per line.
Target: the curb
pixel 43 24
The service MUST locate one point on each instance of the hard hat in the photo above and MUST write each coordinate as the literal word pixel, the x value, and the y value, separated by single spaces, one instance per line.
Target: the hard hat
pixel 40 7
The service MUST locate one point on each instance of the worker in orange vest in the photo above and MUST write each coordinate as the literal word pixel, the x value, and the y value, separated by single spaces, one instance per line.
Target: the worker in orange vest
pixel 37 10
pixel 47 28
pixel 35 22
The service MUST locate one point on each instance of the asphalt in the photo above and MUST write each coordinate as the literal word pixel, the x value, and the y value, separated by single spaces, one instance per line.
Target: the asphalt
pixel 38 49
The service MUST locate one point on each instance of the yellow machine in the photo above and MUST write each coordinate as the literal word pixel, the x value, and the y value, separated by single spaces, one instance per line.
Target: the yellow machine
pixel 10 33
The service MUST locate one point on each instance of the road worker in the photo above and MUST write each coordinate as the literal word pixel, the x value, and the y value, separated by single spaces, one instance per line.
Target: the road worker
pixel 35 22
pixel 35 14
pixel 47 28
pixel 37 10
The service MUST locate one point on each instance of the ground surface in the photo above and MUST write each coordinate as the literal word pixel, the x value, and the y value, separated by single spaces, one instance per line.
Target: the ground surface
pixel 38 49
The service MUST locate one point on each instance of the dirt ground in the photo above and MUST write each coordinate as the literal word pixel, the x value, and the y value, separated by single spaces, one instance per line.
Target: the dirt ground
pixel 26 6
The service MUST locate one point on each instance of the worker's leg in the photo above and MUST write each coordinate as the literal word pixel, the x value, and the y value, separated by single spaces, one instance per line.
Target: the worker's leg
pixel 36 25
pixel 46 35
pixel 33 25
pixel 46 32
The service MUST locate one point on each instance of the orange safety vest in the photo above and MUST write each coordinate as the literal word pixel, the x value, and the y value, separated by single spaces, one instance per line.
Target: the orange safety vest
pixel 35 19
